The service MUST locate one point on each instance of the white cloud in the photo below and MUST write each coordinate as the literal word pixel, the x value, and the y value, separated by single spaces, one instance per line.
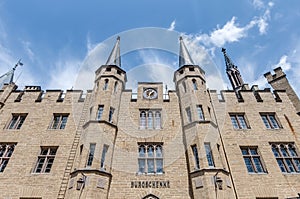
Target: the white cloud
pixel 64 74
pixel 258 4
pixel 283 63
pixel 172 26
pixel 230 32
pixel 29 52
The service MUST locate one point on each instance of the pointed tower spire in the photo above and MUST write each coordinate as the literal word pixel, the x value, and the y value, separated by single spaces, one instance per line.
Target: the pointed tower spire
pixel 184 56
pixel 114 57
pixel 233 73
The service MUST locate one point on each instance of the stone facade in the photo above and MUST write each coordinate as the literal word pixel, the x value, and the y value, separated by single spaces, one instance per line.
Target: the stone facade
pixel 187 143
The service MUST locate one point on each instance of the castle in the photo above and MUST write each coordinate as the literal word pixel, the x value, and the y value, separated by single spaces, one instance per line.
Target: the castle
pixel 187 143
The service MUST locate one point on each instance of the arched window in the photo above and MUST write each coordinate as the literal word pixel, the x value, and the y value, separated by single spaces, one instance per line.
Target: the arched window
pixel 150 120
pixel 105 84
pixel 115 87
pixel 195 84
pixel 143 120
pixel 150 196
pixel 157 120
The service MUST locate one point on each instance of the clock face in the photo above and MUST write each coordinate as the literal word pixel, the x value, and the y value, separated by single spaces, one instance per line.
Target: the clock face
pixel 150 93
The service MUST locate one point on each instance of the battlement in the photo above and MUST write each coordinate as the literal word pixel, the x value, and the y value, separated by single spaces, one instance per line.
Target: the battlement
pixel 250 96
pixel 278 74
pixel 35 94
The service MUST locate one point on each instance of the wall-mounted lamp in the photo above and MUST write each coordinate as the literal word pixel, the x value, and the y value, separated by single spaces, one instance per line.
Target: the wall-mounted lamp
pixel 218 183
pixel 81 182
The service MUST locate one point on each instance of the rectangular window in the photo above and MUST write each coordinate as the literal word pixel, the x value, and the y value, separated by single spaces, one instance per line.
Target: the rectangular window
pixel 45 160
pixel 91 155
pixel 111 113
pixel 189 114
pixel 196 156
pixel 6 150
pixel 100 112
pixel 209 155
pixel 104 151
pixel 16 121
pixel 59 121
pixel 252 160
pixel 287 157
pixel 200 113
pixel 238 121
pixel 270 121
pixel 150 160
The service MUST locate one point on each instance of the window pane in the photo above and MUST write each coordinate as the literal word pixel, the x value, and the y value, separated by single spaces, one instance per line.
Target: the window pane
pixel 157 120
pixel 150 164
pixel 242 122
pixel 150 151
pixel 150 120
pixel 290 165
pixel 3 164
pixel 49 165
pixel 40 165
pixel 292 151
pixel 297 164
pixel 21 121
pixel 234 122
pixel 141 165
pixel 209 155
pixel 55 122
pixel 248 164
pixel 13 122
pixel 266 122
pixel 200 113
pixel 158 151
pixel 258 165
pixel 141 151
pixel 273 122
pixel 253 152
pixel 283 151
pixel 143 120
pixel 159 166
pixel 281 165
pixel 196 157
pixel 275 151
pixel 245 152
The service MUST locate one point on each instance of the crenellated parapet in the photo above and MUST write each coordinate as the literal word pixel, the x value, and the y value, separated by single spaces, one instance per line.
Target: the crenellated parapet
pixel 278 81
pixel 35 94
pixel 252 96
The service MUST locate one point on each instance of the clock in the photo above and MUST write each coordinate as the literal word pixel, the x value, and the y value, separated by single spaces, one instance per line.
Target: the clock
pixel 150 93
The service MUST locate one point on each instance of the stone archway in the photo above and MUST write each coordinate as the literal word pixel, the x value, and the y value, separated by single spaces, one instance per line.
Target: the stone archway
pixel 150 196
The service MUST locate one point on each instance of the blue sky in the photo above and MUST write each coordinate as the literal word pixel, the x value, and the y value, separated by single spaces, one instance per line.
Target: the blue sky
pixel 60 40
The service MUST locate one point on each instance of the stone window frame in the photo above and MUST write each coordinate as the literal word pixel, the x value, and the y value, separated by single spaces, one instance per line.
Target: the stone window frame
pixel 145 159
pixel 6 151
pixel 287 156
pixel 17 121
pixel 59 121
pixel 196 156
pixel 253 160
pixel 91 155
pixel 239 121
pixel 45 159
pixel 270 120
pixel 150 119
pixel 100 112
pixel 209 154
pixel 200 112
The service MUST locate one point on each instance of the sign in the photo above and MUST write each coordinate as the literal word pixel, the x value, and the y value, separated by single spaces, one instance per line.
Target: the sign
pixel 150 184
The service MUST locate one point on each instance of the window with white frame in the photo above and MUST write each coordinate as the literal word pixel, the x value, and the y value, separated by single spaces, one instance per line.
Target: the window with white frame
pixel 238 121
pixel 196 156
pixel 269 120
pixel 150 119
pixel 150 159
pixel 6 151
pixel 91 155
pixel 200 113
pixel 253 160
pixel 209 155
pixel 287 157
pixel 103 156
pixel 45 160
pixel 59 121
pixel 189 114
pixel 17 120
pixel 100 112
